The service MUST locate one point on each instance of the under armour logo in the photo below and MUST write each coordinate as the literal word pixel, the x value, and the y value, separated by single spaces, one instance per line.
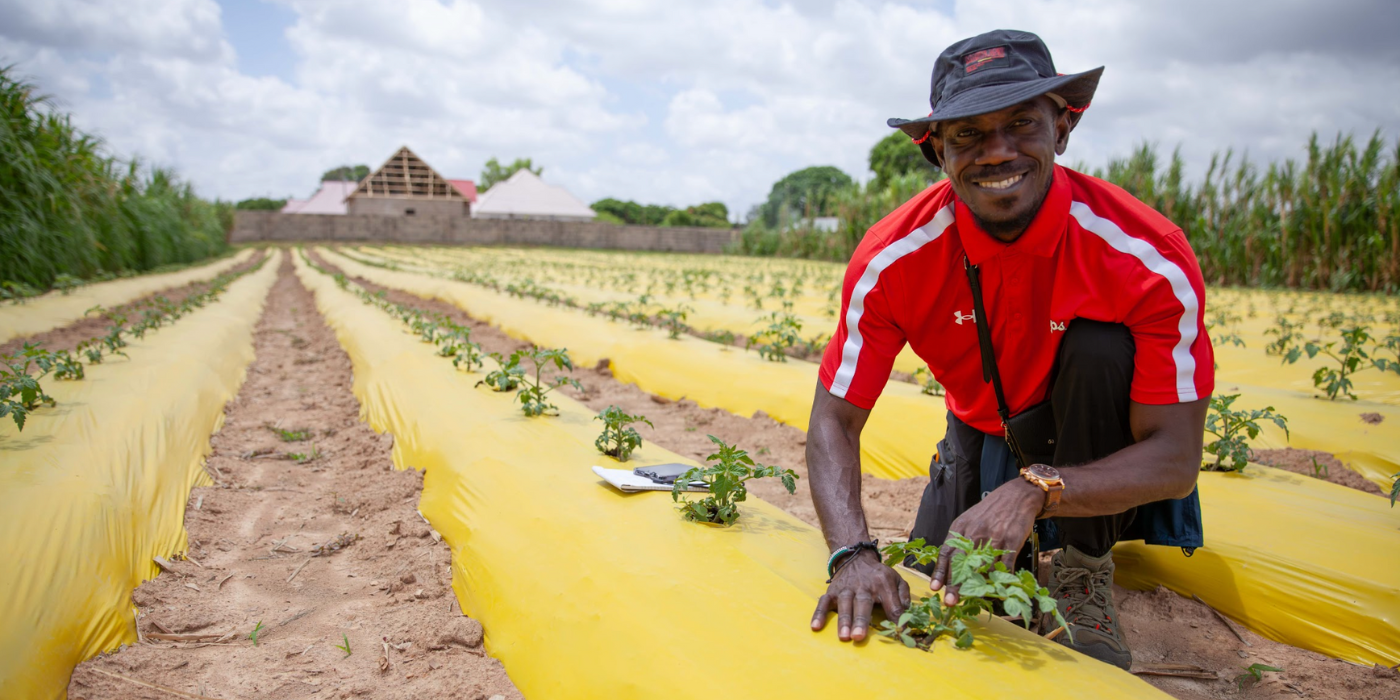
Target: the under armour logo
pixel 959 317
pixel 1057 326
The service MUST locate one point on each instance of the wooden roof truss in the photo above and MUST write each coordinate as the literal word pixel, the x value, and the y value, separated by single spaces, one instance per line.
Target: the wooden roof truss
pixel 406 176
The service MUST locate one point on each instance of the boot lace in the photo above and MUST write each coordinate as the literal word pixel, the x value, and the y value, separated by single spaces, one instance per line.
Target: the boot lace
pixel 1086 594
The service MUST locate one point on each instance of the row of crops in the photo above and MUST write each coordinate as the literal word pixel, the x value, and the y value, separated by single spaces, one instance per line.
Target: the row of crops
pixel 540 544
pixel 1305 579
pixel 100 447
pixel 1274 349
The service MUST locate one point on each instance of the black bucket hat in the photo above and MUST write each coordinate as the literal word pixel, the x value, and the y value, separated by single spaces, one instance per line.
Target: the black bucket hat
pixel 991 72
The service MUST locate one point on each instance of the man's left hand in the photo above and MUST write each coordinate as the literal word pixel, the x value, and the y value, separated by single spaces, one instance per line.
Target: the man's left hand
pixel 1003 519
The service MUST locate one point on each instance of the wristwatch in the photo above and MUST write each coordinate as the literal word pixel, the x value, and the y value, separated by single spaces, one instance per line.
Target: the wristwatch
pixel 1049 481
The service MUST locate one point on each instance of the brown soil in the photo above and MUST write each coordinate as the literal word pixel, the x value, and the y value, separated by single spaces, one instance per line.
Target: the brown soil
pixel 252 539
pixel 1301 462
pixel 68 337
pixel 1161 626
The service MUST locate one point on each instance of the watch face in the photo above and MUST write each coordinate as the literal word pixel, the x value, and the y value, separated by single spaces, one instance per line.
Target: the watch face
pixel 1044 471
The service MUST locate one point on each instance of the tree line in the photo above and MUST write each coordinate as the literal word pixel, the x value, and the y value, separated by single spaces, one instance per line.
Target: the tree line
pixel 1329 221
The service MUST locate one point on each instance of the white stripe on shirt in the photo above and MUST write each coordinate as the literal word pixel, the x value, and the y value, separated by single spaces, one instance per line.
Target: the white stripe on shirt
pixel 1158 265
pixel 850 352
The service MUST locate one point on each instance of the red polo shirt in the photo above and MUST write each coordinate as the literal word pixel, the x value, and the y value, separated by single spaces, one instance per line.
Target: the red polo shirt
pixel 1093 251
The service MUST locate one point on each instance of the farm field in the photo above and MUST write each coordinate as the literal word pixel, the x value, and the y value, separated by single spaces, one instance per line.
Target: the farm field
pixel 289 532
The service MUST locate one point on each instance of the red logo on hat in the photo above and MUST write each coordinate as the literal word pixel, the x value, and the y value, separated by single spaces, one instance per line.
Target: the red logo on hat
pixel 978 59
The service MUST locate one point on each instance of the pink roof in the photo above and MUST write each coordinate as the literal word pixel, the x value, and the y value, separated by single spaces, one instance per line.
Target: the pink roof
pixel 467 188
pixel 329 199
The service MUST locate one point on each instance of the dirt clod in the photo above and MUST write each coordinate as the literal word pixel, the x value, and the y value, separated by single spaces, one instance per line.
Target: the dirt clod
pixel 461 631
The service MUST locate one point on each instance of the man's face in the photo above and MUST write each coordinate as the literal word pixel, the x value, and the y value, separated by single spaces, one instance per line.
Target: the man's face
pixel 1001 164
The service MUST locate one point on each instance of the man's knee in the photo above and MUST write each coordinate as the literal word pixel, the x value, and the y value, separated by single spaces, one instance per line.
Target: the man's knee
pixel 1096 349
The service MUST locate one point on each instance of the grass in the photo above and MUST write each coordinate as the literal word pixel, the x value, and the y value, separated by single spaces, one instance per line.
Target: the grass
pixel 295 435
pixel 70 213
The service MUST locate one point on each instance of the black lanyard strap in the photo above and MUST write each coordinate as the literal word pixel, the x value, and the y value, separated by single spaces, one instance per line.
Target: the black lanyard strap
pixel 984 340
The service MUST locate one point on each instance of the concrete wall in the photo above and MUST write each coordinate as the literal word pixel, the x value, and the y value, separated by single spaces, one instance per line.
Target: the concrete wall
pixel 254 226
pixel 389 206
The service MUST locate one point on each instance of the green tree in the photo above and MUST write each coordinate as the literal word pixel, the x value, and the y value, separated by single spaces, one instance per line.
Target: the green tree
pixel 346 173
pixel 709 214
pixel 630 212
pixel 260 204
pixel 806 193
pixel 494 172
pixel 896 155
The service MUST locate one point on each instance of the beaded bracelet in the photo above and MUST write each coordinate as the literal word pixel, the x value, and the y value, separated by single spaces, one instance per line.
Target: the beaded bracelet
pixel 845 554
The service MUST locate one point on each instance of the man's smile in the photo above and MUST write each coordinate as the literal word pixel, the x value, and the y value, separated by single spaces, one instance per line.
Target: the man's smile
pixel 1003 184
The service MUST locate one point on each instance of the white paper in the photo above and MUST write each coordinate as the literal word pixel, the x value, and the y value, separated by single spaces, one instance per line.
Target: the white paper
pixel 625 480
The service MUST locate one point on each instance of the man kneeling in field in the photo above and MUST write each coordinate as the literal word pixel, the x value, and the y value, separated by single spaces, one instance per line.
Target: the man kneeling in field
pixel 1042 299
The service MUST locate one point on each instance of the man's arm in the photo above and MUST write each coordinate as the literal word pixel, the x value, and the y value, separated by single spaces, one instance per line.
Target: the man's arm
pixel 833 466
pixel 1162 464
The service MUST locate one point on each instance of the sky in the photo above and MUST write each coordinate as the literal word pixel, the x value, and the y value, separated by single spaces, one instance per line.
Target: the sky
pixel 673 102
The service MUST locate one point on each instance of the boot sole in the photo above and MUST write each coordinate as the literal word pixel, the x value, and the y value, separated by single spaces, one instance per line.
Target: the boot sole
pixel 1103 652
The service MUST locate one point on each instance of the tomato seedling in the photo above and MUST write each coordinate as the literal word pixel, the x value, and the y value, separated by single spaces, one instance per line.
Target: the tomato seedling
pixel 533 389
pixel 673 321
pixel 923 376
pixel 730 469
pixel 783 332
pixel 618 440
pixel 1348 358
pixel 982 580
pixel 1287 335
pixel 1231 428
pixel 1253 674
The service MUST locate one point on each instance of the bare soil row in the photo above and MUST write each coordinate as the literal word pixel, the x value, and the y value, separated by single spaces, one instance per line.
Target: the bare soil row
pixel 262 551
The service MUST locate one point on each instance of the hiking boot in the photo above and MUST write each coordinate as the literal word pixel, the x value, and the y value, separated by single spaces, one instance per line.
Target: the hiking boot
pixel 1083 585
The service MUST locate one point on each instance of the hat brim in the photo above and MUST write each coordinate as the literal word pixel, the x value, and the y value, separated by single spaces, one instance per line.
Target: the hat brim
pixel 1076 89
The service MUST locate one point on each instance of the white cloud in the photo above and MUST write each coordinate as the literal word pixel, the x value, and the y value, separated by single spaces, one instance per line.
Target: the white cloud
pixel 679 101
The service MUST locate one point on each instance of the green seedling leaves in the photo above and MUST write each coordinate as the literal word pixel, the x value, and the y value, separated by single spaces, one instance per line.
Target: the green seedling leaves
pixel 923 376
pixel 982 580
pixel 533 388
pixel 727 475
pixel 1253 674
pixel 346 646
pixel 1347 354
pixel 1232 429
pixel 782 333
pixel 617 439
pixel 254 634
pixel 294 435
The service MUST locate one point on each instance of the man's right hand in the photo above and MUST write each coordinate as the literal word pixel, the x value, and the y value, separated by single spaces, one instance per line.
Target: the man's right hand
pixel 855 589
